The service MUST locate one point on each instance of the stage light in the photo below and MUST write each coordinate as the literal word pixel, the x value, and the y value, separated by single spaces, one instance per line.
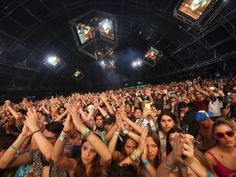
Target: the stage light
pixel 137 63
pixel 53 60
pixel 102 62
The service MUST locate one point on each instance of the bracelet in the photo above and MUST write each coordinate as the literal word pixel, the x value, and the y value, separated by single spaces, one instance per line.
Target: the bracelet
pixel 146 163
pixel 168 166
pixel 137 157
pixel 63 139
pixel 15 149
pixel 209 174
pixel 35 132
pixel 65 131
pixel 86 132
pixel 117 133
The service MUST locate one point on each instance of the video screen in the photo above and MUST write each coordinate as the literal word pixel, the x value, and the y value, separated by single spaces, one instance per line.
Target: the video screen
pixel 194 8
pixel 85 32
pixel 152 53
pixel 106 29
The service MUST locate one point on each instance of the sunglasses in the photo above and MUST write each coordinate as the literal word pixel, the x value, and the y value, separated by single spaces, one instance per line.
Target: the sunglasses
pixel 229 133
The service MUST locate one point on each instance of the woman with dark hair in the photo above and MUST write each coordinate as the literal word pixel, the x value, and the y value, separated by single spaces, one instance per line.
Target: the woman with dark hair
pixel 166 121
pixel 148 152
pixel 94 155
pixel 222 156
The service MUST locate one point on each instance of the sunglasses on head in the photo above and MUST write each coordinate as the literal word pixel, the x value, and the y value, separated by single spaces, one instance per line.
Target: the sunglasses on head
pixel 229 133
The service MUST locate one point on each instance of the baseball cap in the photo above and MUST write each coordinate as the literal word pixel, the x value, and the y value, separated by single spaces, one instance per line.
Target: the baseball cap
pixel 203 115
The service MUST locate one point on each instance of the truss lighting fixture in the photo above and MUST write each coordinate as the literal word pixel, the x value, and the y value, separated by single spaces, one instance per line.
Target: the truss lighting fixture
pixel 53 60
pixel 137 63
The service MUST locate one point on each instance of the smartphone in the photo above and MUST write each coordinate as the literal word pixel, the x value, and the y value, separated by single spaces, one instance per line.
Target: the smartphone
pixel 147 106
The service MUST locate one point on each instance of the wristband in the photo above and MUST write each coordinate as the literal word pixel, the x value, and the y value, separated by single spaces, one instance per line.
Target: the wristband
pixel 86 132
pixel 137 157
pixel 117 133
pixel 15 149
pixel 146 163
pixel 63 139
pixel 209 174
pixel 168 166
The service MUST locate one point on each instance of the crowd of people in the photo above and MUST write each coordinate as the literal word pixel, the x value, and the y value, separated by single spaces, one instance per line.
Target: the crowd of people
pixel 178 129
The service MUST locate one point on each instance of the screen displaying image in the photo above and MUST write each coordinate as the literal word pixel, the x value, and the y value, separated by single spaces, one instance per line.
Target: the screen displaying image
pixel 85 32
pixel 106 29
pixel 194 8
pixel 152 54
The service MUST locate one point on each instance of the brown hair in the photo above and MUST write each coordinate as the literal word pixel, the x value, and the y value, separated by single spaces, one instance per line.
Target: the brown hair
pixel 95 169
pixel 221 121
pixel 152 134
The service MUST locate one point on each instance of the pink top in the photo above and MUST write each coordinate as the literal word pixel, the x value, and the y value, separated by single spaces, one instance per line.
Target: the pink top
pixel 220 169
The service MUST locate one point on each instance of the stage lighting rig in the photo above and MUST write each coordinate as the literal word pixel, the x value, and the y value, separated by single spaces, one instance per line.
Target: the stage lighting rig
pixel 54 62
pixel 198 13
pixel 95 33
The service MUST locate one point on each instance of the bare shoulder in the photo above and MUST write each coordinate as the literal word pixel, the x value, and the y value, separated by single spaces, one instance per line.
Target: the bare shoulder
pixel 209 156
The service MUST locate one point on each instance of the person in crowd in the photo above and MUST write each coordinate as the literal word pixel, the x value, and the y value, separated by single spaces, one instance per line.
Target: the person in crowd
pixel 184 160
pixel 187 119
pixel 201 98
pixel 5 143
pixel 94 156
pixel 230 110
pixel 41 157
pixel 204 137
pixel 174 102
pixel 147 156
pixel 222 156
pixel 166 121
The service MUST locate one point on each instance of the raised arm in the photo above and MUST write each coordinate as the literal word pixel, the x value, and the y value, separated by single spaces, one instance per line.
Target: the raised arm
pixel 11 157
pixel 44 145
pixel 13 111
pixel 58 156
pixel 96 142
pixel 103 97
pixel 130 122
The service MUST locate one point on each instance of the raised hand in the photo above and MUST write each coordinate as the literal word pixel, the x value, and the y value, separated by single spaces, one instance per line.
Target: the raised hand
pixel 142 143
pixel 103 97
pixel 177 148
pixel 25 131
pixel 68 124
pixel 188 148
pixel 31 120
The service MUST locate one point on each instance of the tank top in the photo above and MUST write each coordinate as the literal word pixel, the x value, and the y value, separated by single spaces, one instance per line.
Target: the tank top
pixel 220 169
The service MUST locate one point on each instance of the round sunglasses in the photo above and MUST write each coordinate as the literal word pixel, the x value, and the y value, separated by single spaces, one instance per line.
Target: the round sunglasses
pixel 229 133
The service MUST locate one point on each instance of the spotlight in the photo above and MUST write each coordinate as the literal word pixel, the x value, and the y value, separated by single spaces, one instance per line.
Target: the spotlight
pixel 53 60
pixel 134 63
pixel 102 62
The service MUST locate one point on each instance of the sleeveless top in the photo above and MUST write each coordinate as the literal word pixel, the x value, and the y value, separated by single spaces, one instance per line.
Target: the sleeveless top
pixel 220 169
